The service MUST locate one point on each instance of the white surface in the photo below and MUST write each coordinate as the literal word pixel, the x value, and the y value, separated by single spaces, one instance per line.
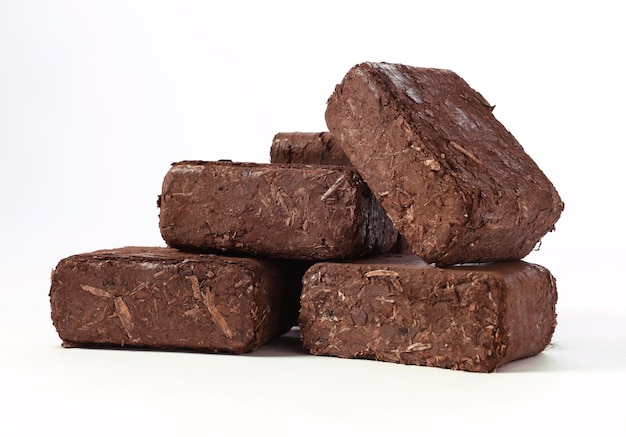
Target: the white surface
pixel 97 98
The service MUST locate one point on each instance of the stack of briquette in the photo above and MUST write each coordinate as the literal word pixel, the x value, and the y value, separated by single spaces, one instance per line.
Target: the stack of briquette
pixel 397 236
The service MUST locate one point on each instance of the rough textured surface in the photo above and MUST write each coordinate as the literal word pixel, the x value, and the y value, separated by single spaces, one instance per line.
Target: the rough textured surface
pixel 399 309
pixel 318 148
pixel 278 210
pixel 455 182
pixel 315 148
pixel 165 299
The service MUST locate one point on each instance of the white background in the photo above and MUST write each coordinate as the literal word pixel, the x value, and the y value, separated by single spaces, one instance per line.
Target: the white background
pixel 97 98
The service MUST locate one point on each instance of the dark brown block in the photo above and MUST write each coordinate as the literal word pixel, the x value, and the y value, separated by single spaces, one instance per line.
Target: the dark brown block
pixel 315 148
pixel 278 210
pixel 457 185
pixel 399 309
pixel 162 298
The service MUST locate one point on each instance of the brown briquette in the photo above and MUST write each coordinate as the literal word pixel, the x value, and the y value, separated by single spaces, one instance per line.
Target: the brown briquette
pixel 162 298
pixel 402 310
pixel 315 148
pixel 457 185
pixel 277 210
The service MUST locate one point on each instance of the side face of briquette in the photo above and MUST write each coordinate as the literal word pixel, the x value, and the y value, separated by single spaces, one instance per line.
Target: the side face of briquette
pixel 468 319
pixel 278 210
pixel 164 299
pixel 314 148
